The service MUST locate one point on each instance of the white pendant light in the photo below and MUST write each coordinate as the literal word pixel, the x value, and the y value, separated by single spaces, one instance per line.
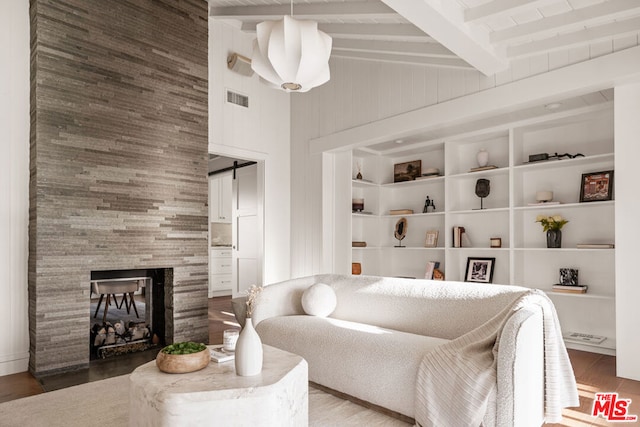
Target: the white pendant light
pixel 291 54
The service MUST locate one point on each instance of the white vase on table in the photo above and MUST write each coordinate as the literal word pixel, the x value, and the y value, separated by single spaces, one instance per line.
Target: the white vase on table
pixel 248 355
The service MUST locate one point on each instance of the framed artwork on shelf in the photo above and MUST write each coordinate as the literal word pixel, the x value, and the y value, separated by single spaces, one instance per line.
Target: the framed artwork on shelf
pixel 479 270
pixel 596 186
pixel 431 241
pixel 569 276
pixel 407 171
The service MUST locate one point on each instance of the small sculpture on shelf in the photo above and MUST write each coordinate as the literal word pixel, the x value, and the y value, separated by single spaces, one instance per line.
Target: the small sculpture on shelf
pixel 544 196
pixel 400 231
pixel 359 166
pixel 482 157
pixel 483 188
pixel 428 203
pixel 546 156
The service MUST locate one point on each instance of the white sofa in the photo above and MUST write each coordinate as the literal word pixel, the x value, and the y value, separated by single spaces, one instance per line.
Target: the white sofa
pixel 421 347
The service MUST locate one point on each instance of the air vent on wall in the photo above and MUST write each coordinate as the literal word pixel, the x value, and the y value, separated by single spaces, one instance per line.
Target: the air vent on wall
pixel 238 99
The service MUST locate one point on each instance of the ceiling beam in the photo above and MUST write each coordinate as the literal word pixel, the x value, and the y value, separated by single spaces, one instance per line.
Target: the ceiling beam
pixel 401 58
pixel 351 10
pixel 575 19
pixel 444 21
pixel 501 7
pixel 432 50
pixel 576 38
pixel 366 31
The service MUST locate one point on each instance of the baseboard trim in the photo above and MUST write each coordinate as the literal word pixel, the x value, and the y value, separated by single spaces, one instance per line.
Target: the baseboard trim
pixel 14 364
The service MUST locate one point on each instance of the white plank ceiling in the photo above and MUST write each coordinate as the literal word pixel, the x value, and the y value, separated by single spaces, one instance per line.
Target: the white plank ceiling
pixel 466 34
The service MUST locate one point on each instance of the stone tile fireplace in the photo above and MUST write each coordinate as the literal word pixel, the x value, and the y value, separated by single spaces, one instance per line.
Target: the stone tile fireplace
pixel 118 164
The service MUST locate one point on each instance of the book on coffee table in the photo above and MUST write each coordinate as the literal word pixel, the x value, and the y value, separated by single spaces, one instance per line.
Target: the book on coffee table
pixel 219 355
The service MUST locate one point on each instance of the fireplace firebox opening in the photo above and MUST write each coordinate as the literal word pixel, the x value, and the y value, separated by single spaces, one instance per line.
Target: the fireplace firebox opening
pixel 127 310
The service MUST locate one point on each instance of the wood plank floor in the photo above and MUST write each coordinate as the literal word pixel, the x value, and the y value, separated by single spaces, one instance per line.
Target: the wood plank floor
pixel 594 373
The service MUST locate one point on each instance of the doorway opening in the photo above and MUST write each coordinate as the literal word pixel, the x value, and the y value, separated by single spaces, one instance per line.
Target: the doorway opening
pixel 236 218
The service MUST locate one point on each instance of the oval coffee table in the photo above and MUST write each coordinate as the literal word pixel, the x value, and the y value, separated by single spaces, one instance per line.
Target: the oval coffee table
pixel 215 395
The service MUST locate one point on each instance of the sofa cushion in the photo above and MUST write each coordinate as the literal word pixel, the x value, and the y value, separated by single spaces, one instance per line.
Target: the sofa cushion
pixel 374 364
pixel 319 300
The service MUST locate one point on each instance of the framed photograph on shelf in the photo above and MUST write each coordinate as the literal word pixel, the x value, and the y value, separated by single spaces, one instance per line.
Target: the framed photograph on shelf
pixel 596 186
pixel 479 270
pixel 431 241
pixel 407 171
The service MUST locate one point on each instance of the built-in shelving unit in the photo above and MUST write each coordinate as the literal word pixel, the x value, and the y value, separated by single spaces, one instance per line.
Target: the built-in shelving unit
pixel 509 212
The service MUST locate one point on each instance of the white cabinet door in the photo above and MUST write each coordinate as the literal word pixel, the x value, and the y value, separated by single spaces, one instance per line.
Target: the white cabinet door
pixel 225 182
pixel 220 270
pixel 220 198
pixel 214 199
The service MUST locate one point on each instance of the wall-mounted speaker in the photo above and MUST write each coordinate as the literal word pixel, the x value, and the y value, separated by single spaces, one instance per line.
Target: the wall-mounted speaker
pixel 240 64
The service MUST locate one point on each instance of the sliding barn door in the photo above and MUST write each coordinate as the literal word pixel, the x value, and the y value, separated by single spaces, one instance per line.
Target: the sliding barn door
pixel 247 230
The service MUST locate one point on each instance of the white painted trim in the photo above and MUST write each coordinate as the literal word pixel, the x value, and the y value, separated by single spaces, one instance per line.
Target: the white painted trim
pixel 315 11
pixel 328 211
pixel 241 153
pixel 502 7
pixel 597 74
pixel 627 127
pixel 575 19
pixel 363 31
pixel 13 357
pixel 577 38
pixel 444 21
pixel 14 363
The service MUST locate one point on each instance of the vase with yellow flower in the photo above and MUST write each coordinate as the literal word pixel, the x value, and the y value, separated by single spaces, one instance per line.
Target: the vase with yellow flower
pixel 552 225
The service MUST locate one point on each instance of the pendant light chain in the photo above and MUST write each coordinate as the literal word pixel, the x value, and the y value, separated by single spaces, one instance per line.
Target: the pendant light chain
pixel 291 8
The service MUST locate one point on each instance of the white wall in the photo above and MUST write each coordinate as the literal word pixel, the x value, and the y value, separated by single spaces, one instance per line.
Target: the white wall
pixel 14 185
pixel 627 129
pixel 362 92
pixel 260 132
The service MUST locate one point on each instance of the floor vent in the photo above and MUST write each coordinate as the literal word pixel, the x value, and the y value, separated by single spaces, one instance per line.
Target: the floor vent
pixel 238 99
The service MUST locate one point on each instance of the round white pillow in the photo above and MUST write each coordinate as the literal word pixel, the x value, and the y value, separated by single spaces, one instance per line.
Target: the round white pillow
pixel 319 300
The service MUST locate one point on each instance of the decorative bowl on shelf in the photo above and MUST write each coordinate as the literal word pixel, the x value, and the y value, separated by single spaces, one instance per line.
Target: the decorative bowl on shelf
pixel 180 358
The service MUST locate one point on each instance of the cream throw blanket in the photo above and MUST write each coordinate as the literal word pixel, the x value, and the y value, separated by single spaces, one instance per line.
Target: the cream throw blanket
pixel 456 382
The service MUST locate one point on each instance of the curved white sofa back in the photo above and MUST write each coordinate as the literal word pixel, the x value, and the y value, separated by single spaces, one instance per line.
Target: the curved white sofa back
pixel 425 307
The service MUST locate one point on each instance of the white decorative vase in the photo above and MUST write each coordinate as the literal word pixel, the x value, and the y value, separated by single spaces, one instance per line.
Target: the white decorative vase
pixel 483 158
pixel 248 351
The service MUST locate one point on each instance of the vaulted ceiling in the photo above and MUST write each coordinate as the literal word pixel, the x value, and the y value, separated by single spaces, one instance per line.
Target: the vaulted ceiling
pixel 470 34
